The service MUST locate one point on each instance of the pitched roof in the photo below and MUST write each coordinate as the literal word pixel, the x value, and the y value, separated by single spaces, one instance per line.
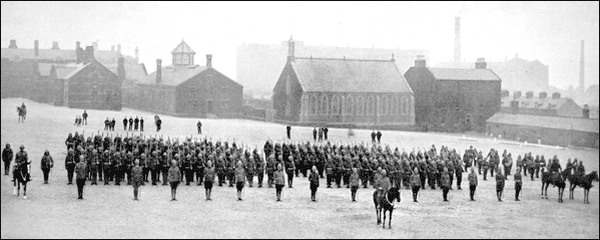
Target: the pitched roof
pixel 132 71
pixel 552 122
pixel 101 56
pixel 174 75
pixel 45 68
pixel 183 48
pixel 464 74
pixel 545 103
pixel 71 69
pixel 348 75
pixel 19 68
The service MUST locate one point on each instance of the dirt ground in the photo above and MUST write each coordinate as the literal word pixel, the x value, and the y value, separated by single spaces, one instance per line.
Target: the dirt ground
pixel 52 211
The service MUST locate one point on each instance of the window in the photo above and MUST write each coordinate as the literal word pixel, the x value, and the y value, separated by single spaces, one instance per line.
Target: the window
pixel 405 105
pixel 360 105
pixel 385 110
pixel 371 106
pixel 324 105
pixel 395 105
pixel 335 105
pixel 314 107
pixel 304 103
pixel 349 105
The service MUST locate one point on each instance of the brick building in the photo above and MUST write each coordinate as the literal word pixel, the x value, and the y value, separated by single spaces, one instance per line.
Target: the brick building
pixel 454 100
pixel 187 89
pixel 543 104
pixel 342 92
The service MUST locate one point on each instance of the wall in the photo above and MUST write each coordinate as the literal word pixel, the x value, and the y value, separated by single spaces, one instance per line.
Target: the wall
pixel 546 135
pixel 195 95
pixel 94 87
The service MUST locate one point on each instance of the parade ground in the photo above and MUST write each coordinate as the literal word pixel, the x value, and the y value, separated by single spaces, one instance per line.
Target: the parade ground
pixel 53 211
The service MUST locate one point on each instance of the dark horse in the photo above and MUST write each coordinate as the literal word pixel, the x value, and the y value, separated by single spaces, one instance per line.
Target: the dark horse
pixel 21 177
pixel 585 182
pixel 557 180
pixel 385 202
pixel 22 113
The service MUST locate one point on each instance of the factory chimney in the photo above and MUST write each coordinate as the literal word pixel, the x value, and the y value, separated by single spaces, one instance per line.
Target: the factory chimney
pixel 457 42
pixel 581 73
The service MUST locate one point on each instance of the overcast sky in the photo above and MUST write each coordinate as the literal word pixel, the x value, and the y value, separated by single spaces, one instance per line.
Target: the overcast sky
pixel 548 31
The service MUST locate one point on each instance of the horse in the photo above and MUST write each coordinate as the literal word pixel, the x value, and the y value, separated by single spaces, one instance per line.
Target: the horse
pixel 21 177
pixel 22 113
pixel 585 182
pixel 385 202
pixel 548 178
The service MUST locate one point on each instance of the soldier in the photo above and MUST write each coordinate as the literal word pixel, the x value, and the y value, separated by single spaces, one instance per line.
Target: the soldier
pixel 189 169
pixel 106 165
pixel 209 178
pixel 531 166
pixel 153 167
pixel 199 126
pixel 320 134
pixel 433 173
pixel 364 175
pixel 118 168
pixel 141 124
pixel 290 168
pixel 415 183
pixel 538 165
pixel 47 164
pixel 499 184
pixel 480 161
pixel 70 166
pixel 451 170
pixel 7 157
pixel 288 131
pixel 130 123
pixel 112 124
pixel 220 170
pixel 325 131
pixel 445 184
pixel 136 123
pixel 199 167
pixel 378 137
pixel 347 171
pixel 485 164
pixel 93 167
pixel 329 172
pixel 279 181
pixel 472 184
pixel 270 170
pixel 80 169
pixel 354 183
pixel 314 183
pixel 165 168
pixel 174 178
pixel 158 124
pixel 459 171
pixel 106 124
pixel 260 169
pixel 518 183
pixel 250 169
pixel 315 134
pixel 85 116
pixel 543 162
pixel 506 163
pixel 127 165
pixel 373 137
pixel 240 179
pixel 125 123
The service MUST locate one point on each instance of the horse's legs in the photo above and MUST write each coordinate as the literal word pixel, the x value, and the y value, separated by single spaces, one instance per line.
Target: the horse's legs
pixel 378 216
pixel 390 223
pixel 25 190
pixel 18 187
pixel 384 217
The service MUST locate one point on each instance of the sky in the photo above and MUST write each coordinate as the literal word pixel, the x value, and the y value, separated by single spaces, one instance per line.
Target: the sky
pixel 548 31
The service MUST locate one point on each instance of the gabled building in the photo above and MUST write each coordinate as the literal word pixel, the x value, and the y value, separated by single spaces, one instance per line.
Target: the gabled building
pixel 454 100
pixel 342 92
pixel 187 89
pixel 541 105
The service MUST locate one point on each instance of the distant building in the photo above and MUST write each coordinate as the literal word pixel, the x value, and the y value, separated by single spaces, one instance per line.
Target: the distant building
pixel 542 105
pixel 517 74
pixel 259 65
pixel 549 130
pixel 343 92
pixel 187 89
pixel 18 77
pixel 454 99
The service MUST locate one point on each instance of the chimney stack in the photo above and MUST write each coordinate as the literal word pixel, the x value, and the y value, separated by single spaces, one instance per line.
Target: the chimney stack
pixel 586 111
pixel 529 95
pixel 13 44
pixel 291 49
pixel 543 95
pixel 79 52
pixel 517 94
pixel 55 46
pixel 556 95
pixel 89 54
pixel 457 42
pixel 119 48
pixel 420 62
pixel 36 48
pixel 121 69
pixel 480 64
pixel 514 106
pixel 112 48
pixel 77 45
pixel 581 71
pixel 158 71
pixel 95 45
pixel 209 60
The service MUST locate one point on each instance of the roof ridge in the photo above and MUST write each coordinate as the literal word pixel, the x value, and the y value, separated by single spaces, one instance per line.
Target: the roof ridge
pixel 344 59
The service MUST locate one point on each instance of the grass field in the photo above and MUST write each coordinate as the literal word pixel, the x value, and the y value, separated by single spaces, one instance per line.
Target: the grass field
pixel 52 211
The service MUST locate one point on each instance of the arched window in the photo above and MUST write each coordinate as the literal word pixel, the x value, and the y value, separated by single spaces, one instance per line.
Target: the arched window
pixel 371 106
pixel 360 105
pixel 324 105
pixel 304 105
pixel 385 107
pixel 335 105
pixel 350 105
pixel 405 105
pixel 395 105
pixel 314 106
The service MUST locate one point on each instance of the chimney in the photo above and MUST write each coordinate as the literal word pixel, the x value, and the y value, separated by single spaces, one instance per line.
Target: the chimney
pixel 581 72
pixel 13 44
pixel 529 95
pixel 79 52
pixel 36 48
pixel 514 106
pixel 89 54
pixel 291 49
pixel 420 62
pixel 517 94
pixel 457 42
pixel 121 68
pixel 95 45
pixel 137 55
pixel 208 60
pixel 586 111
pixel 55 46
pixel 480 64
pixel 77 45
pixel 556 95
pixel 543 95
pixel 158 71
pixel 112 48
pixel 505 93
pixel 119 48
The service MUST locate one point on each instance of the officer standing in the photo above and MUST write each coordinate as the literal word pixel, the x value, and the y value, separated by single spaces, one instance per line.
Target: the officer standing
pixel 174 177
pixel 93 167
pixel 315 134
pixel 112 124
pixel 106 124
pixel 136 178
pixel 288 130
pixel 325 131
pixel 47 165
pixel 240 179
pixel 199 126
pixel 472 184
pixel 499 184
pixel 209 178
pixel 70 165
pixel 85 115
pixel 518 183
pixel 80 169
pixel 279 181
pixel 373 137
pixel 7 157
pixel 130 123
pixel 313 178
pixel 378 137
pixel 136 122
pixel 158 124
pixel 354 178
pixel 415 183
pixel 445 184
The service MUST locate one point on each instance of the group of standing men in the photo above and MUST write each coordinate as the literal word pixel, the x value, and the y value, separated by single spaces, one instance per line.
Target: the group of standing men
pixel 134 124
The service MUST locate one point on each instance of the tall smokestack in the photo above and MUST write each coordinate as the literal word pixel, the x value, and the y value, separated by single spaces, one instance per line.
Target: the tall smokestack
pixel 581 73
pixel 158 71
pixel 457 42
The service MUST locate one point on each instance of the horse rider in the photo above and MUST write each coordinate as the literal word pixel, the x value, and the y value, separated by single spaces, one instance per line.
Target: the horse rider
pixel 21 158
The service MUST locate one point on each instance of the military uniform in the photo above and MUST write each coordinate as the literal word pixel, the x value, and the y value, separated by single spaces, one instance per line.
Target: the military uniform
pixel 70 166
pixel 499 185
pixel 518 184
pixel 81 174
pixel 106 167
pixel 93 167
pixel 7 157
pixel 415 184
pixel 472 185
pixel 354 185
pixel 47 164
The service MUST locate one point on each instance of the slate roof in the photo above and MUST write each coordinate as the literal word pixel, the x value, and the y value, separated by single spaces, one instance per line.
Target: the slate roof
pixel 349 75
pixel 183 48
pixel 552 122
pixel 174 75
pixel 464 74
pixel 132 71
pixel 19 68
